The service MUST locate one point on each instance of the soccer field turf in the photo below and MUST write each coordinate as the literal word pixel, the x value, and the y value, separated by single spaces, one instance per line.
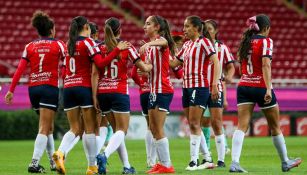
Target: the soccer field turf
pixel 258 157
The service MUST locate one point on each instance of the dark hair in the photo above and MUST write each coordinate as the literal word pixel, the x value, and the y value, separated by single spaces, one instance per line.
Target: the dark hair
pixel 94 28
pixel 76 27
pixel 42 22
pixel 215 26
pixel 165 31
pixel 196 21
pixel 263 22
pixel 111 30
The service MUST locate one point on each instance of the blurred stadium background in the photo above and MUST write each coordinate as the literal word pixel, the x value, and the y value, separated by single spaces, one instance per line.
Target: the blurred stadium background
pixel 289 65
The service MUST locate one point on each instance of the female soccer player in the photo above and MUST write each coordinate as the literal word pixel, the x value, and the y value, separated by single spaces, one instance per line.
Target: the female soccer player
pixel 113 93
pixel 44 55
pixel 78 92
pixel 216 108
pixel 255 86
pixel 195 56
pixel 158 52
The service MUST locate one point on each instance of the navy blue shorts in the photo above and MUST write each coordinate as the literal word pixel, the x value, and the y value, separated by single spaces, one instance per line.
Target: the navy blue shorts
pixel 218 104
pixel 162 101
pixel 253 95
pixel 144 98
pixel 114 102
pixel 44 96
pixel 195 97
pixel 75 97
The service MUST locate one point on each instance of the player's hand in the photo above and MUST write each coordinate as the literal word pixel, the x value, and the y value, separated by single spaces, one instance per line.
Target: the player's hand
pixel 228 80
pixel 122 45
pixel 268 96
pixel 225 104
pixel 144 48
pixel 142 42
pixel 214 93
pixel 9 97
pixel 96 105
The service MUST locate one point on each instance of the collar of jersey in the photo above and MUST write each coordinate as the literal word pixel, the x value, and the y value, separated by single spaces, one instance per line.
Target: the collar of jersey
pixel 45 38
pixel 258 37
pixel 80 38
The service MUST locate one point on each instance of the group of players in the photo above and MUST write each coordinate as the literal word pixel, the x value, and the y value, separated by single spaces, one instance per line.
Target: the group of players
pixel 95 83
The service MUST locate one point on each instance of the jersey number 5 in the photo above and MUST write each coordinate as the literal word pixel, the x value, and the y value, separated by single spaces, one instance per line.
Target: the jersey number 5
pixel 114 69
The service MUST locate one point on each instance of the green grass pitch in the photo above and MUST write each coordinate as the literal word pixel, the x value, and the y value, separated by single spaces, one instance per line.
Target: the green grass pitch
pixel 258 157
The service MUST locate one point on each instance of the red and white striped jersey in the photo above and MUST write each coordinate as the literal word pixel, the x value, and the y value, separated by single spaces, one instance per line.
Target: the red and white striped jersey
pixel 79 67
pixel 114 78
pixel 195 57
pixel 251 66
pixel 225 57
pixel 159 77
pixel 44 56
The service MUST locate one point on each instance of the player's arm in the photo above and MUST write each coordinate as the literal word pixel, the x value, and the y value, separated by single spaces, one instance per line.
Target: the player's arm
pixel 266 69
pixel 101 62
pixel 229 72
pixel 135 77
pixel 94 81
pixel 20 69
pixel 216 73
pixel 143 66
pixel 225 102
pixel 159 42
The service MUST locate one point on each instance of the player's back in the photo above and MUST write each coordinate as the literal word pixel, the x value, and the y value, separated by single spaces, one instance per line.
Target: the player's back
pixel 251 66
pixel 44 56
pixel 79 66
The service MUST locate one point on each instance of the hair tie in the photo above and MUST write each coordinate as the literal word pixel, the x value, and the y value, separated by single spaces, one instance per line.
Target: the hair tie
pixel 252 24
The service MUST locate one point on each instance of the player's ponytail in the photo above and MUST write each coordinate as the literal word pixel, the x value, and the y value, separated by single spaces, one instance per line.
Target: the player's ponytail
pixel 256 24
pixel 205 32
pixel 76 27
pixel 42 22
pixel 165 32
pixel 111 31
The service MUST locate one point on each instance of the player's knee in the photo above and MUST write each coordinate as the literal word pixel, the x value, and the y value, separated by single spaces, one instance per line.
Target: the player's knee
pixel 194 125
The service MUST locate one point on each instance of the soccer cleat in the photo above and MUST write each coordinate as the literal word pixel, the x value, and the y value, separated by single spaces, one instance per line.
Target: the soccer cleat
pixel 154 168
pixel 163 170
pixel 91 170
pixel 291 163
pixel 220 164
pixel 130 170
pixel 205 164
pixel 36 169
pixel 58 158
pixel 52 166
pixel 192 166
pixel 102 163
pixel 236 168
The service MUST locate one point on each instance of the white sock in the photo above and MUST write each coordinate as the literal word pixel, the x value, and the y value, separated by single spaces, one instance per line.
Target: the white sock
pixel 194 147
pixel 153 152
pixel 116 139
pixel 90 142
pixel 163 152
pixel 50 147
pixel 84 146
pixel 148 143
pixel 204 148
pixel 237 142
pixel 72 145
pixel 39 148
pixel 220 147
pixel 103 131
pixel 123 154
pixel 66 141
pixel 280 145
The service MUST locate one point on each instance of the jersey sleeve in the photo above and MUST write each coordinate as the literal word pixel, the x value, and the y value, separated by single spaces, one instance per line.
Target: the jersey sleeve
pixel 63 49
pixel 208 47
pixel 133 55
pixel 267 48
pixel 180 56
pixel 92 47
pixel 228 57
pixel 25 53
